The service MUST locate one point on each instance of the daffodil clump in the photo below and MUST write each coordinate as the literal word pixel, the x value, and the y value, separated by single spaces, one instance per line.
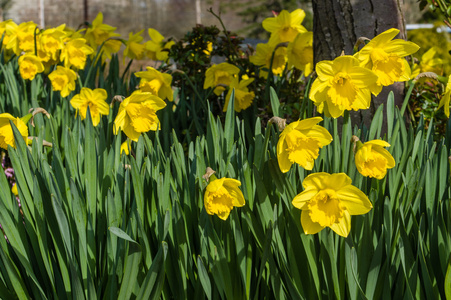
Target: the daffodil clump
pixel 39 49
pixel 110 190
pixel 290 42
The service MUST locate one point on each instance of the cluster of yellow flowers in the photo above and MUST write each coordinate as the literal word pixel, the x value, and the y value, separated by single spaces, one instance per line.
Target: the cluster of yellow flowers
pixel 290 44
pixel 225 75
pixel 38 50
pixel 346 83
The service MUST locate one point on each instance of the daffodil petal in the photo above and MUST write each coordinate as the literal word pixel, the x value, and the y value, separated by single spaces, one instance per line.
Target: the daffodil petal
pixel 282 156
pixel 401 48
pixel 355 201
pixel 308 225
pixel 337 181
pixel 343 227
pixel 302 198
pixel 316 181
pixel 325 69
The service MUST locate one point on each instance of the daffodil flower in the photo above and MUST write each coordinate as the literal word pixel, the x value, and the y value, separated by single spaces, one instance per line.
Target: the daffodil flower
pixel 6 132
pixel 372 159
pixel 22 38
pixel 155 82
pixel 137 114
pixel 342 84
pixel 264 54
pixel 75 53
pixel 125 146
pixel 243 98
pixel 51 42
pixel 329 200
pixel 95 100
pixel 7 29
pixel 445 98
pixel 156 48
pixel 134 49
pixel 63 79
pixel 300 52
pixel 285 26
pixel 300 142
pixel 220 76
pixel 430 63
pixel 98 32
pixel 385 57
pixel 29 66
pixel 222 195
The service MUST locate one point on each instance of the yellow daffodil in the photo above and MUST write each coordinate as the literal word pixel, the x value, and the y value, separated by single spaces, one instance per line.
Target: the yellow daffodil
pixel 243 98
pixel 63 79
pixel 95 100
pixel 220 76
pixel 75 53
pixel 285 26
pixel 385 57
pixel 125 146
pixel 156 48
pixel 329 200
pixel 22 39
pixel 222 195
pixel 372 159
pixel 72 34
pixel 300 142
pixel 29 66
pixel 156 83
pixel 263 55
pixel 6 132
pixel 98 32
pixel 7 28
pixel 300 52
pixel 134 49
pixel 51 42
pixel 110 47
pixel 137 114
pixel 342 85
pixel 445 98
pixel 430 63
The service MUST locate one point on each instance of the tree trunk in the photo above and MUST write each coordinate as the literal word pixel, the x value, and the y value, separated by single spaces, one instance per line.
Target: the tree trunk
pixel 337 24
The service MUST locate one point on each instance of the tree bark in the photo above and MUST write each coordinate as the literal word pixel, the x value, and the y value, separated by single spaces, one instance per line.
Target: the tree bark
pixel 337 24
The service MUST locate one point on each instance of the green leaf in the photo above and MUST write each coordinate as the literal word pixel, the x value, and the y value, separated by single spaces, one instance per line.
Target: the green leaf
pixel 229 126
pixel 131 270
pixel 152 285
pixel 203 276
pixel 448 283
pixel 275 104
pixel 120 233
